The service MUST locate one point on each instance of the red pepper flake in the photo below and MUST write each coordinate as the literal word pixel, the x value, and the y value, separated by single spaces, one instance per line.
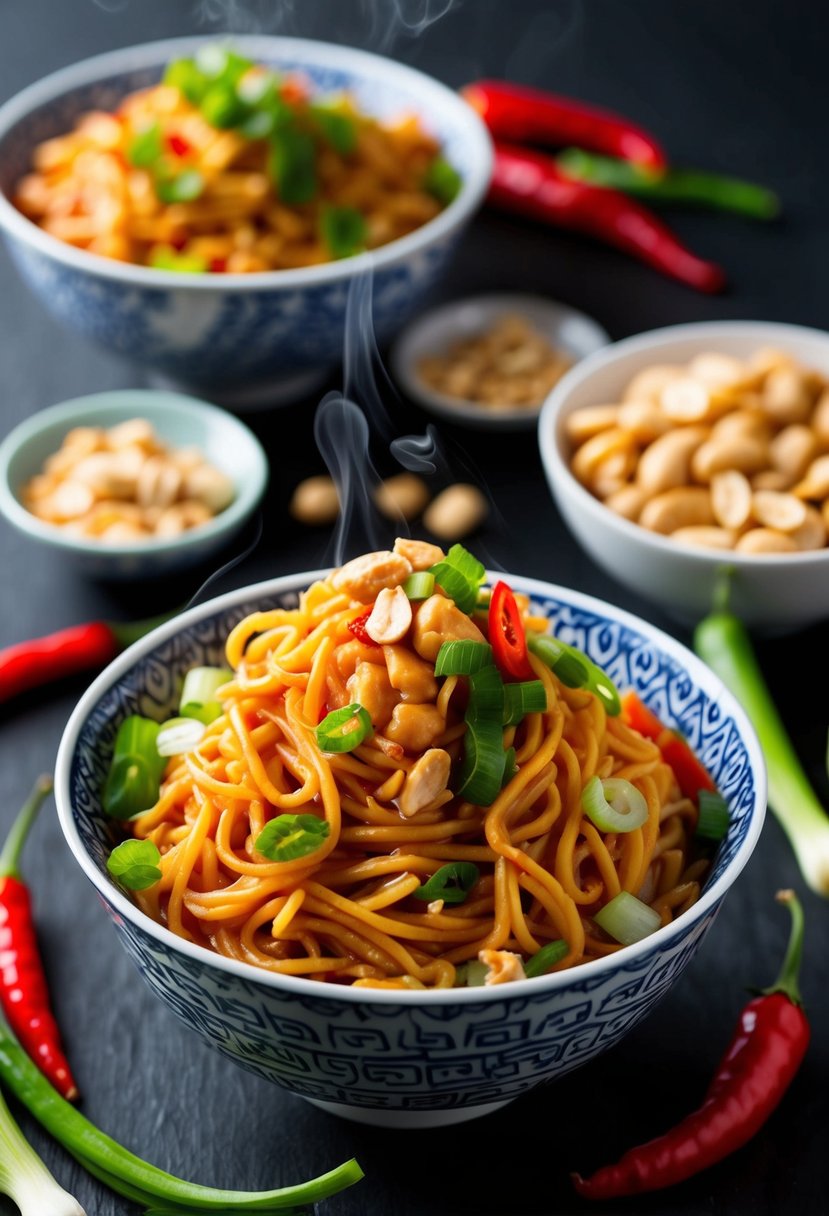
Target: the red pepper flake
pixel 357 627
pixel 179 145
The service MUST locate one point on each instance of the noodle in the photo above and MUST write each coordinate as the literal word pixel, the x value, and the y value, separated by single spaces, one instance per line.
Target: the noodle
pixel 347 910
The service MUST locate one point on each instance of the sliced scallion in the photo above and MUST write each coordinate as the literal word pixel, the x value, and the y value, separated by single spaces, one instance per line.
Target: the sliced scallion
pixel 145 148
pixel 336 128
pixel 222 107
pixel 484 758
pixel 546 958
pixel 451 883
pixel 184 75
pixel 134 777
pixel 460 575
pixel 614 805
pixel 420 585
pixel 575 670
pixel 471 974
pixel 292 165
pixel 198 693
pixel 288 837
pixel 627 919
pixel 713 816
pixel 486 696
pixel 527 697
pixel 344 729
pixel 443 181
pixel 179 735
pixel 344 231
pixel 164 257
pixel 184 187
pixel 462 658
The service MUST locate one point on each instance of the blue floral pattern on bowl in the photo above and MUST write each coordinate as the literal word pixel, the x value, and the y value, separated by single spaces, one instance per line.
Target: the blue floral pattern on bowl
pixel 454 1055
pixel 218 332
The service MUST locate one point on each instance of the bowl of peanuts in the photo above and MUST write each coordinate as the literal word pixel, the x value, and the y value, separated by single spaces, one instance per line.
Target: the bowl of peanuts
pixel 684 450
pixel 132 483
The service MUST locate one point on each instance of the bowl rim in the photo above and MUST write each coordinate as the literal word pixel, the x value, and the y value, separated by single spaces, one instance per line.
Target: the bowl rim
pixel 148 54
pixel 249 490
pixel 561 478
pixel 464 410
pixel 288 985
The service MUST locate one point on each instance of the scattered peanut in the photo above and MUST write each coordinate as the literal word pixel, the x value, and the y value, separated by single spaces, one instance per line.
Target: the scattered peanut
pixel 426 781
pixel 405 494
pixel 391 616
pixel 315 501
pixel 723 452
pixel 124 486
pixel 455 512
pixel 509 365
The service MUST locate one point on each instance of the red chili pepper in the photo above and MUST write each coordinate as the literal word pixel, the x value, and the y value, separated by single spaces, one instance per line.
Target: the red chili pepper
pixel 358 628
pixel 506 634
pixel 23 992
pixel 765 1053
pixel 218 265
pixel 179 145
pixel 87 647
pixel 515 112
pixel 530 183
pixel 691 775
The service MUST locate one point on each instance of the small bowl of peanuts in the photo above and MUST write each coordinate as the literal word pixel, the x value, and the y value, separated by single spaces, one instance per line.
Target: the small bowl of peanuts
pixel 681 451
pixel 132 483
pixel 490 361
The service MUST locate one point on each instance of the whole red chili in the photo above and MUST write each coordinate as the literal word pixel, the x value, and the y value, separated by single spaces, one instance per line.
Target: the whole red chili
pixel 86 647
pixel 530 183
pixel 23 992
pixel 506 635
pixel 765 1053
pixel 515 112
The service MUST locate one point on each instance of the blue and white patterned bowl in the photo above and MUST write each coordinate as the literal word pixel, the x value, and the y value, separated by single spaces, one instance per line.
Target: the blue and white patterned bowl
pixel 410 1059
pixel 236 333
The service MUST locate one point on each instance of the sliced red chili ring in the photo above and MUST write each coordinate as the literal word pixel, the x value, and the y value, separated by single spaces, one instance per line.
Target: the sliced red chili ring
pixel 358 628
pixel 506 634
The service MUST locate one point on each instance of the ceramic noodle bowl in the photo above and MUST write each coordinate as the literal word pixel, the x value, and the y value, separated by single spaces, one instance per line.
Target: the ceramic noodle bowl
pixel 418 1058
pixel 267 335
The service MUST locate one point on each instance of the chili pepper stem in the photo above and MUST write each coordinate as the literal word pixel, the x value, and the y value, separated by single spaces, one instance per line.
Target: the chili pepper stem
pixel 13 846
pixel 787 981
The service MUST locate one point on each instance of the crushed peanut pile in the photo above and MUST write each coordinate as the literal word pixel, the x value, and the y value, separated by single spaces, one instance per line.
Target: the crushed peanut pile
pixel 123 485
pixel 724 453
pixel 508 365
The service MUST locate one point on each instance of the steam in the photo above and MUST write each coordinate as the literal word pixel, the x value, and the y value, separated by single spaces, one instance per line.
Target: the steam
pixel 377 24
pixel 342 435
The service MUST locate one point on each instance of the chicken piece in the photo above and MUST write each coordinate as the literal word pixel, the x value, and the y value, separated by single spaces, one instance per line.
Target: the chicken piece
pixel 370 687
pixel 504 966
pixel 414 678
pixel 439 620
pixel 414 727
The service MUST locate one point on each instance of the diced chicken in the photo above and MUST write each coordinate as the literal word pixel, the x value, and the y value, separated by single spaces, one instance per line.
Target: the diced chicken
pixel 414 678
pixel 504 966
pixel 414 727
pixel 439 620
pixel 420 553
pixel 365 577
pixel 370 686
pixel 350 654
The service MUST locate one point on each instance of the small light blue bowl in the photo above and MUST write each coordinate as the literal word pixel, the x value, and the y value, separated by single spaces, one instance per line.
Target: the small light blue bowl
pixel 243 338
pixel 411 1059
pixel 180 422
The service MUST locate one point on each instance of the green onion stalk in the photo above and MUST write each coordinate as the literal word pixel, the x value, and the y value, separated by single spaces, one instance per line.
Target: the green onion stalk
pixel 723 642
pixel 25 1178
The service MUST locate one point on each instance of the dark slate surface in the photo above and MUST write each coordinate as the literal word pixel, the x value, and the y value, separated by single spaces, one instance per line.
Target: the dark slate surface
pixel 733 86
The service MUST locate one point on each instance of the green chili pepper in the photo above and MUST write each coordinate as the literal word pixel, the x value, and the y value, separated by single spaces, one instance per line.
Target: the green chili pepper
pixel 134 778
pixel 671 185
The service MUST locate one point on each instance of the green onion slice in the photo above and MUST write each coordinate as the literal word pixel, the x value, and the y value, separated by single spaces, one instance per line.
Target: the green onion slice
pixel 134 777
pixel 614 805
pixel 713 816
pixel 164 257
pixel 527 697
pixel 337 129
pixel 546 958
pixel 460 575
pixel 184 75
pixel 198 693
pixel 184 187
pixel 147 147
pixel 420 585
pixel 471 974
pixel 627 919
pixel 484 759
pixel 135 863
pixel 575 670
pixel 179 735
pixel 222 107
pixel 462 658
pixel 443 181
pixel 344 231
pixel 219 63
pixel 451 883
pixel 344 729
pixel 486 696
pixel 510 766
pixel 292 165
pixel 290 836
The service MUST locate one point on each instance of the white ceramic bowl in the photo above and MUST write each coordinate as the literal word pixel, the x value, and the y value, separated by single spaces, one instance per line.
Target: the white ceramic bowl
pixel 249 337
pixel 418 1058
pixel 774 591
pixel 565 328
pixel 180 422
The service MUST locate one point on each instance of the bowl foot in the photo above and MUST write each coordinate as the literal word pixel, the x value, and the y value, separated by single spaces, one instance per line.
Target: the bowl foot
pixel 408 1119
pixel 260 395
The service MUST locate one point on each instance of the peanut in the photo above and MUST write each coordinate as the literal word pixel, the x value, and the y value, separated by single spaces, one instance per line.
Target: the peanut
pixel 420 553
pixel 792 450
pixel 391 616
pixel 783 512
pixel 667 461
pixel 455 512
pixel 686 400
pixel 643 421
pixel 648 384
pixel 707 537
pixel 315 501
pixel 405 494
pixel 787 397
pixel 815 483
pixel 627 502
pixel 745 454
pixel 589 420
pixel 765 540
pixel 731 499
pixel 812 532
pixel 680 507
pixel 427 779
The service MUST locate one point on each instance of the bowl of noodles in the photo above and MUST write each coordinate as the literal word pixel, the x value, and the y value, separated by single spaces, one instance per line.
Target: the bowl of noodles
pixel 201 209
pixel 418 839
